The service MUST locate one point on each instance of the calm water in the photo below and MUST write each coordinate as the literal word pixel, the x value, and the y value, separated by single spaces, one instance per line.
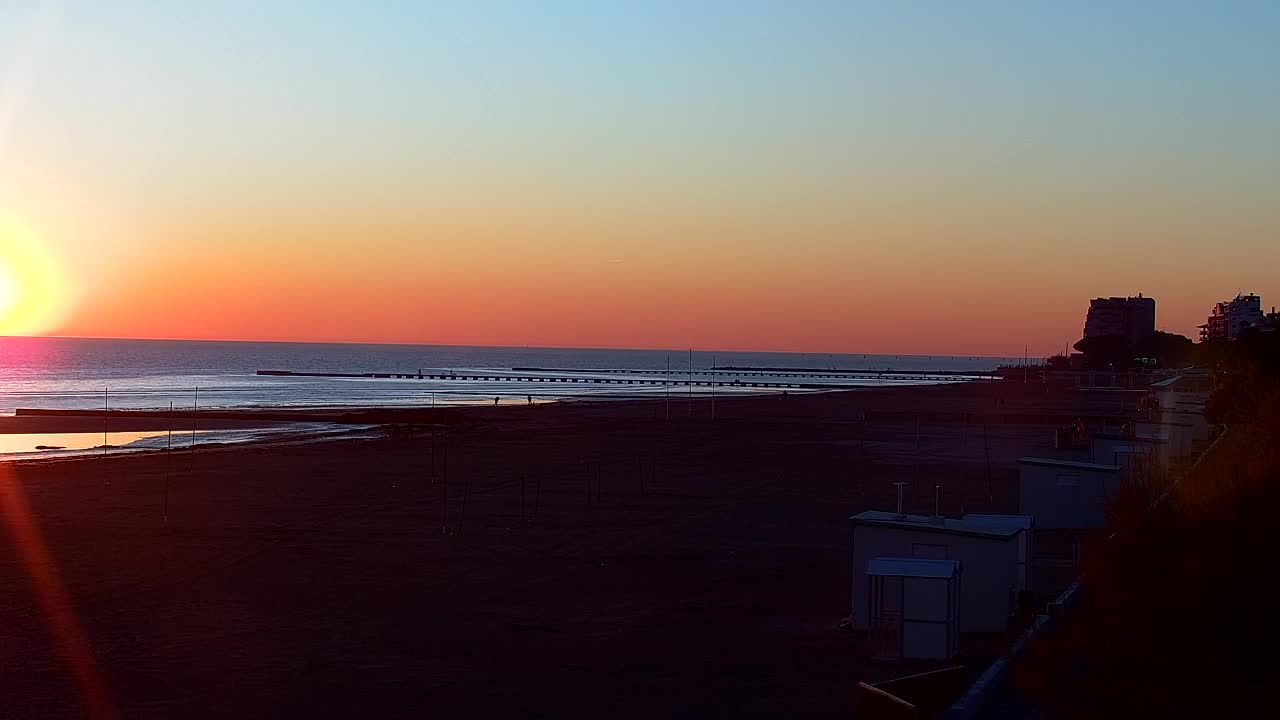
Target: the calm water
pixel 73 373
pixel 26 446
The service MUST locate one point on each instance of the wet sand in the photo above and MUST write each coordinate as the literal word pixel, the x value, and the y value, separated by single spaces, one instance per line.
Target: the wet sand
pixel 687 567
pixel 37 420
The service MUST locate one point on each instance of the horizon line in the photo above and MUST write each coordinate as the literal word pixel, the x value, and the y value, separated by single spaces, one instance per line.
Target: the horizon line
pixel 500 346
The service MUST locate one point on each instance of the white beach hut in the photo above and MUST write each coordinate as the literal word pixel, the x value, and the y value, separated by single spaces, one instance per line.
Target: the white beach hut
pixel 1140 461
pixel 988 553
pixel 1026 540
pixel 1176 437
pixel 1183 392
pixel 914 608
pixel 1194 418
pixel 1064 494
pixel 1103 447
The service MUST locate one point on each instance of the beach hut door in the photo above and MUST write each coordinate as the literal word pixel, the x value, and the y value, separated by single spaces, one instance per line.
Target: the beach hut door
pixel 886 605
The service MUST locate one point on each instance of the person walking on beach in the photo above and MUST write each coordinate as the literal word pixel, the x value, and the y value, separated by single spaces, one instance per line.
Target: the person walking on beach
pixel 495 402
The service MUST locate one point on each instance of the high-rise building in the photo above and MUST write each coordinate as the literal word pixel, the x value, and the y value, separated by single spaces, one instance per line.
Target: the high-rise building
pixel 1232 317
pixel 1131 317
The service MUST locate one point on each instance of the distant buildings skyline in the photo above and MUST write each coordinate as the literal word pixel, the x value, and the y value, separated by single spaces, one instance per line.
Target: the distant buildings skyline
pixel 1130 317
pixel 1134 318
pixel 1232 317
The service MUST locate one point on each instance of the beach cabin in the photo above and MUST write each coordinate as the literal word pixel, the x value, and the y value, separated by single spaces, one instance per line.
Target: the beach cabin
pixel 1199 432
pixel 914 607
pixel 1026 541
pixel 1138 465
pixel 987 551
pixel 1184 392
pixel 1177 437
pixel 1064 494
pixel 1103 447
pixel 1140 461
pixel 1181 402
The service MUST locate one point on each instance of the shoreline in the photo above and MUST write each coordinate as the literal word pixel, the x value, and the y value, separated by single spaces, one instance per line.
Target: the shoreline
pixel 40 420
pixel 367 423
pixel 375 423
pixel 285 438
pixel 26 420
pixel 151 418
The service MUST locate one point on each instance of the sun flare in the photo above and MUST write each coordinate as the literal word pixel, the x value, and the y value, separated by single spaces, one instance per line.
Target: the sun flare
pixel 10 291
pixel 32 296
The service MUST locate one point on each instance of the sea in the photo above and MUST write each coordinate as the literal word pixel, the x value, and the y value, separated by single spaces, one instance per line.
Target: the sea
pixel 93 374
pixel 90 373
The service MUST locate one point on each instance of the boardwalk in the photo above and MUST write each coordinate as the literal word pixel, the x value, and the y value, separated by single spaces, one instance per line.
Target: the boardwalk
pixel 704 378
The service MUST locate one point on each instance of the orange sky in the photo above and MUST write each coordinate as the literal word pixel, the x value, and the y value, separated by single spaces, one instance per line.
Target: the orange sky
pixel 849 180
pixel 545 281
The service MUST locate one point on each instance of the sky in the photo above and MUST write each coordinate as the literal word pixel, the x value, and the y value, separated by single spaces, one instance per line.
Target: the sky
pixel 923 177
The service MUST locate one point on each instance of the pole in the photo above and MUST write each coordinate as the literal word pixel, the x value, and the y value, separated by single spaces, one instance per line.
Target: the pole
pixel 462 515
pixel 986 449
pixel 916 470
pixel 444 479
pixel 713 387
pixel 667 385
pixel 104 421
pixel 168 463
pixel 690 382
pixel 195 405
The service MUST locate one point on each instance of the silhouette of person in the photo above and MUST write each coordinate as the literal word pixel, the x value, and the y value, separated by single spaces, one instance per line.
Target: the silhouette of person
pixel 495 401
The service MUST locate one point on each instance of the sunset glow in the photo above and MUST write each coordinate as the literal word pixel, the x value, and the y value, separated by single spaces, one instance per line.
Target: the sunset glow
pixel 656 175
pixel 10 293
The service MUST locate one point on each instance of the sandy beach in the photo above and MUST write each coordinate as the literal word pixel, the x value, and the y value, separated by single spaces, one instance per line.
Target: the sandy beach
pixel 564 560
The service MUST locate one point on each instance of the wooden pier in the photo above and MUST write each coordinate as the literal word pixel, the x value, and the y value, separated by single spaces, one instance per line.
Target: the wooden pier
pixel 781 372
pixel 703 378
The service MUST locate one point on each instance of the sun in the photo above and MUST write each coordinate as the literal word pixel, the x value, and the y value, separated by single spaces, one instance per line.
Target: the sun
pixel 32 296
pixel 10 292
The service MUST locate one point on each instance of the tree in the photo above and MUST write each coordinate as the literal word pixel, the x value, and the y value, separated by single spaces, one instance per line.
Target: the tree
pixel 1106 352
pixel 1247 384
pixel 1058 362
pixel 1169 350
